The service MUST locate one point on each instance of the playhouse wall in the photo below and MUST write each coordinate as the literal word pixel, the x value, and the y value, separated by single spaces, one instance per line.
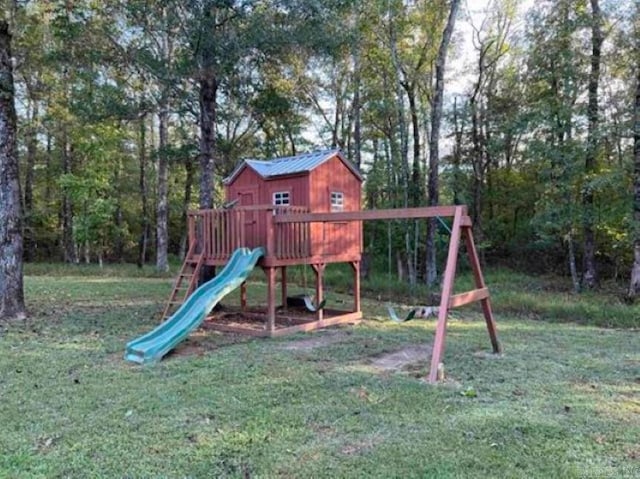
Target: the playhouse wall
pixel 251 189
pixel 246 189
pixel 335 238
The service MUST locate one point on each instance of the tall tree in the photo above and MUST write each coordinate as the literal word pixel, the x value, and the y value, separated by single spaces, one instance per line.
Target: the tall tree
pixel 213 20
pixel 590 276
pixel 634 287
pixel 434 138
pixel 557 76
pixel 11 246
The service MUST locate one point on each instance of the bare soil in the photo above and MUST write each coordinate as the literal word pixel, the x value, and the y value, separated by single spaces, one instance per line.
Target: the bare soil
pixel 403 358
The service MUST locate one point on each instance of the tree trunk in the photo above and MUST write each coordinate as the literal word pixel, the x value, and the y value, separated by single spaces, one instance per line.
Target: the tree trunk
pixel 478 163
pixel 416 175
pixel 404 153
pixel 162 211
pixel 634 286
pixel 208 97
pixel 458 128
pixel 32 151
pixel 434 161
pixel 357 112
pixel 11 246
pixel 208 94
pixel 572 263
pixel 590 273
pixel 69 249
pixel 144 195
pixel 337 118
pixel 188 188
pixel 49 168
pixel 118 221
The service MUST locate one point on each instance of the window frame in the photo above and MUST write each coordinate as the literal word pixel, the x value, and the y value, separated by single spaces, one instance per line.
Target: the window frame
pixel 336 201
pixel 278 198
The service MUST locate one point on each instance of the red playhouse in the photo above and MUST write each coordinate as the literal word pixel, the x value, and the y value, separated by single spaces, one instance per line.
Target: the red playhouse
pixel 298 210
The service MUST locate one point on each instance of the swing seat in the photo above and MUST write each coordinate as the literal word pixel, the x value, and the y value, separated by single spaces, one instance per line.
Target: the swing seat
pixel 394 316
pixel 310 307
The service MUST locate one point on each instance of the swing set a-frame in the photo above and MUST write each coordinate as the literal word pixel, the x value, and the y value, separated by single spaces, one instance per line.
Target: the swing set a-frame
pixel 461 230
pixel 291 235
pixel 299 210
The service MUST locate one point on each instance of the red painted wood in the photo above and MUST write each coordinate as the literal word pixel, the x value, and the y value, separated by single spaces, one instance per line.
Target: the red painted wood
pixel 271 299
pixel 318 269
pixel 472 296
pixel 283 286
pixel 355 265
pixel 311 190
pixel 479 280
pixel 383 214
pixel 330 239
pixel 243 296
pixel 447 289
pixel 338 317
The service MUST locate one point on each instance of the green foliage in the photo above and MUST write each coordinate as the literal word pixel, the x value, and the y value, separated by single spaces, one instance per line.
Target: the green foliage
pixel 295 75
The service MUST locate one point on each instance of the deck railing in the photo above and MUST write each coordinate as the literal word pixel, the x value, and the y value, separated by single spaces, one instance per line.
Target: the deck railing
pixel 218 232
pixel 292 240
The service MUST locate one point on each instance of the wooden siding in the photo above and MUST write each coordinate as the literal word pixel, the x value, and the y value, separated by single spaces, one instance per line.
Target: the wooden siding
pixel 335 238
pixel 251 189
pixel 246 189
pixel 308 191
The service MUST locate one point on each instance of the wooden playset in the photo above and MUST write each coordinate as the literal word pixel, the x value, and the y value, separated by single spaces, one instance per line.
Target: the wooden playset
pixel 305 210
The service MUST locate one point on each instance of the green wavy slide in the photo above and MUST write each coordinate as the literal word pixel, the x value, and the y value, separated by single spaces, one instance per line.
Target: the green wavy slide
pixel 152 346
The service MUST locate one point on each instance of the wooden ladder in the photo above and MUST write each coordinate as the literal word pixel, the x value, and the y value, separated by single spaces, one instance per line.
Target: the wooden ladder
pixel 185 283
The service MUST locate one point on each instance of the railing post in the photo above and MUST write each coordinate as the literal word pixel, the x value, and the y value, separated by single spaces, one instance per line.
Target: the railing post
pixel 191 229
pixel 270 230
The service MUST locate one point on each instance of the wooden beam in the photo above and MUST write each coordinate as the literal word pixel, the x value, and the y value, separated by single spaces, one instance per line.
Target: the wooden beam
pixel 310 260
pixel 226 328
pixel 243 296
pixel 355 265
pixel 271 231
pixel 271 299
pixel 386 214
pixel 351 318
pixel 337 317
pixel 318 269
pixel 283 286
pixel 461 299
pixel 447 289
pixel 479 280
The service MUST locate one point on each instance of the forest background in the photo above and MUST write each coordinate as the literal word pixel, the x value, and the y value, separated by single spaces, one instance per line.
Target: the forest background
pixel 131 113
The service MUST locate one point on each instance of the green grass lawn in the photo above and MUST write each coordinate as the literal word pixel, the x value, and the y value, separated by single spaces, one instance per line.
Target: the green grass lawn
pixel 562 401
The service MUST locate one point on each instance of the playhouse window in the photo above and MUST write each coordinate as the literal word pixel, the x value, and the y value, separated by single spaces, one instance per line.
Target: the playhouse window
pixel 281 198
pixel 337 201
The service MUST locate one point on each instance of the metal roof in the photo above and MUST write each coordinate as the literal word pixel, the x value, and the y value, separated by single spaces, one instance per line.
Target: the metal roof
pixel 289 165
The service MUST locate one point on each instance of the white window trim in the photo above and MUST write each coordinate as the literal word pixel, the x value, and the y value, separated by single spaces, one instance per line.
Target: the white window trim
pixel 282 195
pixel 337 201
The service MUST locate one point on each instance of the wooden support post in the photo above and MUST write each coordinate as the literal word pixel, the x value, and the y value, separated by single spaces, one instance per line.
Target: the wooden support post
pixel 243 296
pixel 271 299
pixel 318 269
pixel 355 265
pixel 271 233
pixel 283 286
pixel 479 281
pixel 447 289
